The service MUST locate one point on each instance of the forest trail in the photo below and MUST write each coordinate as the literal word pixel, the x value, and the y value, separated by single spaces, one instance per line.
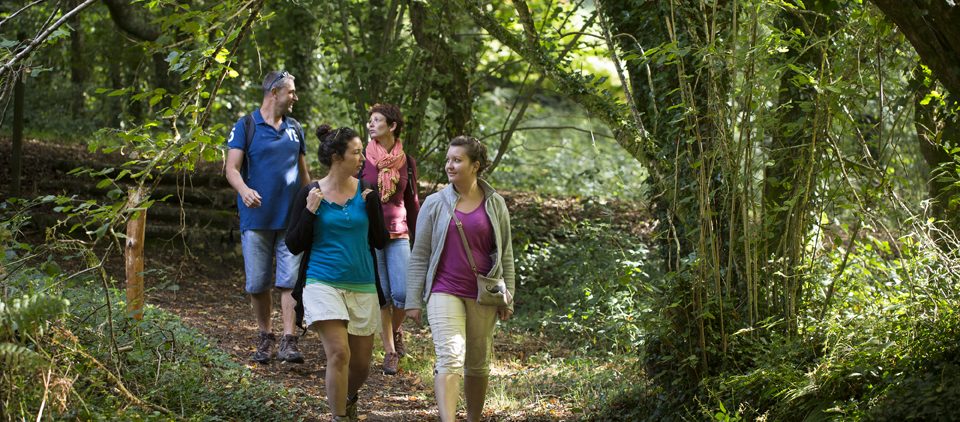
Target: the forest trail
pixel 209 297
pixel 218 308
pixel 205 289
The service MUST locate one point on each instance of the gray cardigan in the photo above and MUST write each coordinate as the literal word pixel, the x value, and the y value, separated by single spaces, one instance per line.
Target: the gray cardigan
pixel 432 225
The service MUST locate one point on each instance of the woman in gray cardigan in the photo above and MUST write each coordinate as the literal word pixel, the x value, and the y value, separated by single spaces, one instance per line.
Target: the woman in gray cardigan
pixel 441 276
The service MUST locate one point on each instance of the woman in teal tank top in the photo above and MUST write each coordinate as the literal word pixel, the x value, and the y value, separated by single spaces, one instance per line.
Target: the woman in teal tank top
pixel 337 221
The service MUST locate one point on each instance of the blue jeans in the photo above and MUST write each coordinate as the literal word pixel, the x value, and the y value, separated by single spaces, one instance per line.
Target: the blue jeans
pixel 259 248
pixel 392 264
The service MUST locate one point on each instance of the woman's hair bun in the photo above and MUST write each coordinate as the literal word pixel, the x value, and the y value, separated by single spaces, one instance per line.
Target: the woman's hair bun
pixel 323 130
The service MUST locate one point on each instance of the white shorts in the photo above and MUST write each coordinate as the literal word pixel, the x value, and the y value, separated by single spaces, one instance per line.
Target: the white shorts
pixel 323 303
pixel 462 334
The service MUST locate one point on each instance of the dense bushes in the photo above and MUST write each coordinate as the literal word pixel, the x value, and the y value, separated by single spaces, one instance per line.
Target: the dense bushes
pixel 885 349
pixel 66 354
pixel 583 273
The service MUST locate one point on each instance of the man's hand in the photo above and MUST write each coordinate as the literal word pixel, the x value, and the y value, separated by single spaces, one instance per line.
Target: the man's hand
pixel 504 313
pixel 251 198
pixel 313 199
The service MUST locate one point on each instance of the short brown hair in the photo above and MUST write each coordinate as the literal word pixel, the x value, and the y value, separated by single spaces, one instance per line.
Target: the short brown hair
pixel 476 151
pixel 391 113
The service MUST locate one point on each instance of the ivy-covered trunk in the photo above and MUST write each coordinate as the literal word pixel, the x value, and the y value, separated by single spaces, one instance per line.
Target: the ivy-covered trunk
pixel 794 150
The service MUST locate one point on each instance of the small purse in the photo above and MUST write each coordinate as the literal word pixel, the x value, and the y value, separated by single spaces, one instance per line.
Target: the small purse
pixel 490 291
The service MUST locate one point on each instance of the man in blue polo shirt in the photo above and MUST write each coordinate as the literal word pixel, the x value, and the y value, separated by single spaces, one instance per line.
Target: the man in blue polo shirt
pixel 267 171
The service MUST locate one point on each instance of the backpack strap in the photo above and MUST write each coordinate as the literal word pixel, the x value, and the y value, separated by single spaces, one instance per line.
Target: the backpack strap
pixel 409 169
pixel 249 127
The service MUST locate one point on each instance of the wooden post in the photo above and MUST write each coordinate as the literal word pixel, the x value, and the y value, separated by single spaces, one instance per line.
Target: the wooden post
pixel 16 161
pixel 133 252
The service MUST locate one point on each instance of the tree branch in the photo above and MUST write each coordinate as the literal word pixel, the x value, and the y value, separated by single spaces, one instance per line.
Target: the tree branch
pixel 527 21
pixel 576 87
pixel 123 14
pixel 18 12
pixel 234 49
pixel 578 129
pixel 42 37
pixel 526 97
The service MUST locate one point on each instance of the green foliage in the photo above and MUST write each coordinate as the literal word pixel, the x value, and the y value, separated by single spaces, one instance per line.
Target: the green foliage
pixel 583 283
pixel 886 350
pixel 27 315
pixel 17 356
pixel 566 156
pixel 63 349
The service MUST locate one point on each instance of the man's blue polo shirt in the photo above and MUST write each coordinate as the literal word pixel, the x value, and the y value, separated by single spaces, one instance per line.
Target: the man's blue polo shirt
pixel 271 168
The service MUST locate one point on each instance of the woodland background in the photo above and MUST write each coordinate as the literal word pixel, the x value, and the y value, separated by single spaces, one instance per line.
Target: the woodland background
pixel 724 209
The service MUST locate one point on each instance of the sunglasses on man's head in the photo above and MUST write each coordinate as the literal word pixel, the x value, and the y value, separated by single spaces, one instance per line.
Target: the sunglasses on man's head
pixel 283 74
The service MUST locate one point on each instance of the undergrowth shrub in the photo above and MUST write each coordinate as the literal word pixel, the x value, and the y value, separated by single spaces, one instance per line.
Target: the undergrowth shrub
pixel 885 349
pixel 584 283
pixel 68 353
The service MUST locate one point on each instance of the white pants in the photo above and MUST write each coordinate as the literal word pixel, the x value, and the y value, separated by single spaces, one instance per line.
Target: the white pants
pixel 462 334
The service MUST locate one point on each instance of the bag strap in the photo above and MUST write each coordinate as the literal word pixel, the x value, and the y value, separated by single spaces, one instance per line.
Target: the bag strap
pixel 463 238
pixel 249 127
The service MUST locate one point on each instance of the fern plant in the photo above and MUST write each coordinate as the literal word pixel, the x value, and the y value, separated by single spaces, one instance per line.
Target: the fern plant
pixel 17 356
pixel 28 316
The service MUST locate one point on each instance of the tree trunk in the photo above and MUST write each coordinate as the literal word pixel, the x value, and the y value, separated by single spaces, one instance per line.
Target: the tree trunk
pixel 16 161
pixel 786 188
pixel 78 65
pixel 133 254
pixel 455 86
pixel 933 28
pixel 935 129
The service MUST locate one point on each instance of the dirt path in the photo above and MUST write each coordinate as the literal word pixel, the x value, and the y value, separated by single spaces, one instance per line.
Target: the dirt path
pixel 218 308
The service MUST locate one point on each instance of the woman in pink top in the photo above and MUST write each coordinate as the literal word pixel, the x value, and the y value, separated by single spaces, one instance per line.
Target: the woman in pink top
pixel 442 278
pixel 395 175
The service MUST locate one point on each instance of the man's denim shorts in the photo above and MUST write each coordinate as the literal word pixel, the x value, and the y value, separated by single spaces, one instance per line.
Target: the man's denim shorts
pixel 259 249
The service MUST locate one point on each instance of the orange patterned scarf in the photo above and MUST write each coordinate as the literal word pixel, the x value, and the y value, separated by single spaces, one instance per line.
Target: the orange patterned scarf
pixel 388 166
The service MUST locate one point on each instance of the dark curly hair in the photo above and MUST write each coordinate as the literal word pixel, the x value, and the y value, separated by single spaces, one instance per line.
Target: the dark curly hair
pixel 476 151
pixel 333 142
pixel 391 113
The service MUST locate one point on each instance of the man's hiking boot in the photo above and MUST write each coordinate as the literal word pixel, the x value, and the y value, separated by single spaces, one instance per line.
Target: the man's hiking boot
pixel 391 363
pixel 398 343
pixel 288 349
pixel 264 348
pixel 352 407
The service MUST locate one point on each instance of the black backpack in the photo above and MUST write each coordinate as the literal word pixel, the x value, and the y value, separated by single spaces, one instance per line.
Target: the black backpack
pixel 249 126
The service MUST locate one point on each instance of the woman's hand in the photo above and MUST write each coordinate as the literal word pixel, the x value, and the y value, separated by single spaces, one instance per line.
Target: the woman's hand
pixel 313 199
pixel 414 314
pixel 504 313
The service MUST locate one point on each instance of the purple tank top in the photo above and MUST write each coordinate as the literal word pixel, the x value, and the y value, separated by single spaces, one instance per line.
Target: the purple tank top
pixel 454 275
